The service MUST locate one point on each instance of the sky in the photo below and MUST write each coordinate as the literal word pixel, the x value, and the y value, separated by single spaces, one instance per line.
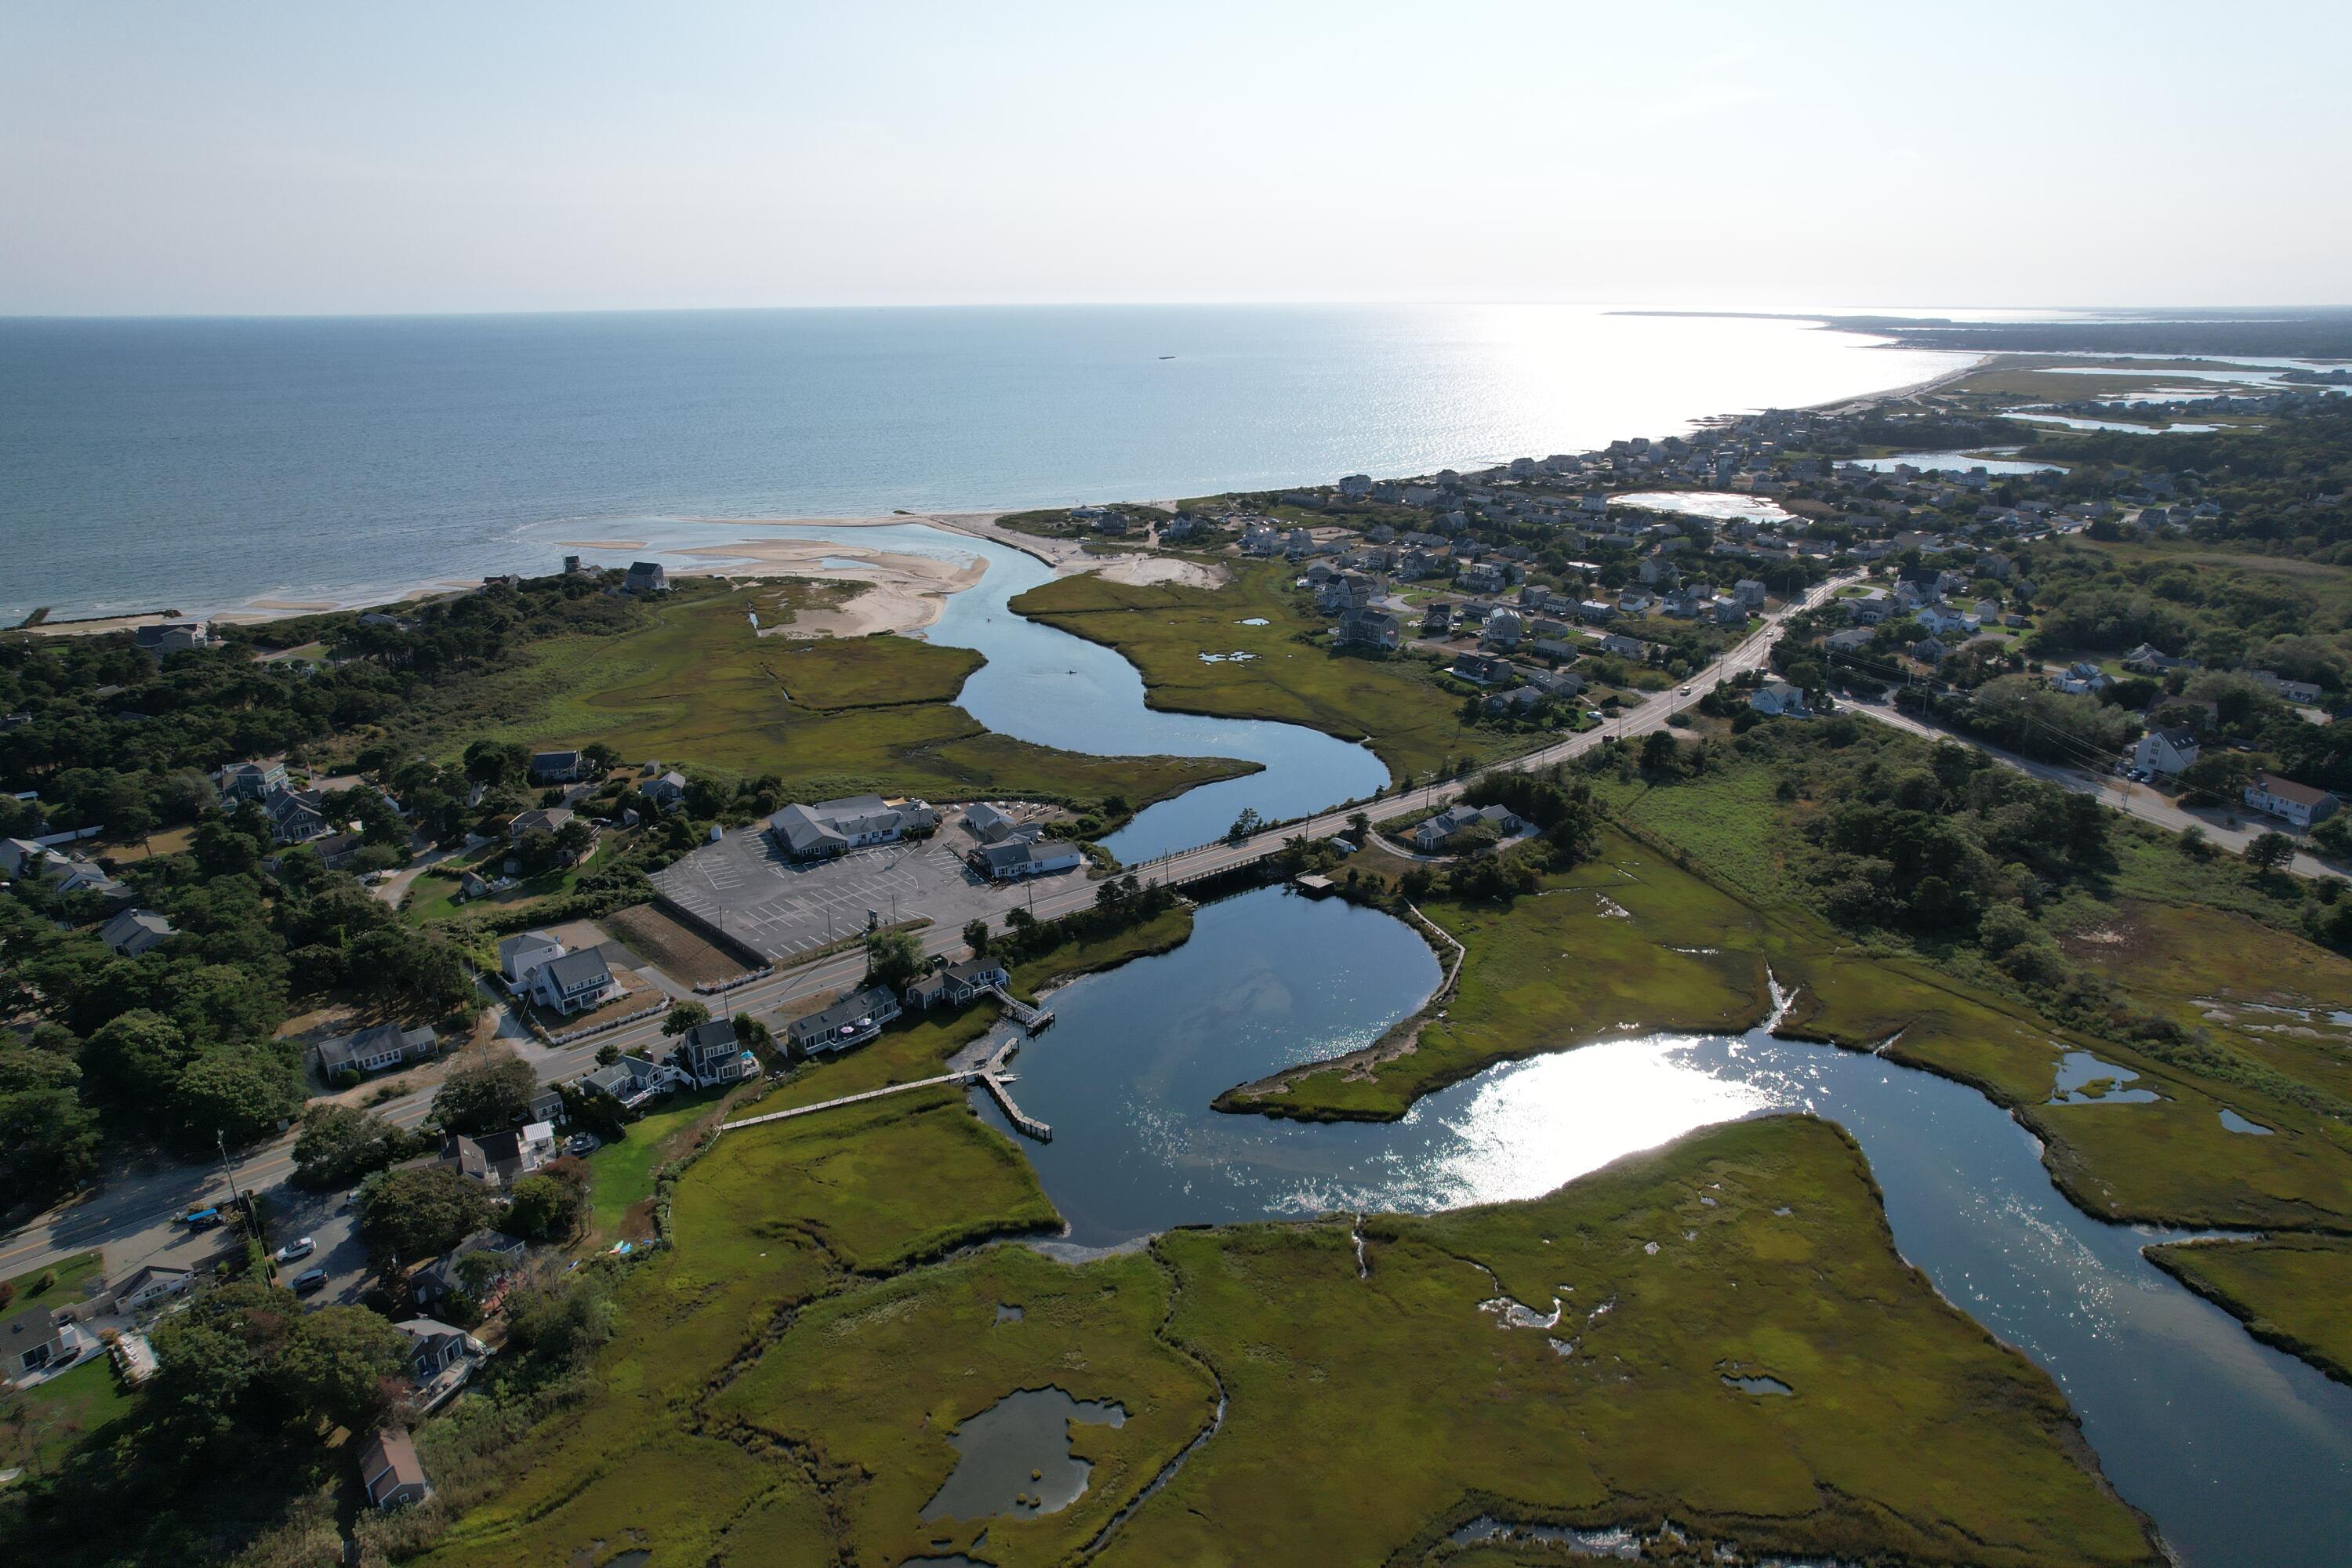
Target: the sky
pixel 265 158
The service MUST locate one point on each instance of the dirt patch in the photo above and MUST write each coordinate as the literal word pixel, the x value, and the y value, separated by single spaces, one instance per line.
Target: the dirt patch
pixel 670 947
pixel 638 1222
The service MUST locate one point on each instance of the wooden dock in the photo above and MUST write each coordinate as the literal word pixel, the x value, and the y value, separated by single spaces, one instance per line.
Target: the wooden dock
pixel 1030 1018
pixel 989 1075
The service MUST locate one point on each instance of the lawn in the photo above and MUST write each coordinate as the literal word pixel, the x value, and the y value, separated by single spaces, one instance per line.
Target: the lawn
pixel 433 896
pixel 828 716
pixel 2289 1290
pixel 622 1173
pixel 56 1415
pixel 66 1277
pixel 1397 705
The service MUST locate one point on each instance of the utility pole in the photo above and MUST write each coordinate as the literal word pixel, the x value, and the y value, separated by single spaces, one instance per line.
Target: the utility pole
pixel 219 1141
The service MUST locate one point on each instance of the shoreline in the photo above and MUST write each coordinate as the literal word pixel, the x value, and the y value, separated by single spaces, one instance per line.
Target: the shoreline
pixel 906 608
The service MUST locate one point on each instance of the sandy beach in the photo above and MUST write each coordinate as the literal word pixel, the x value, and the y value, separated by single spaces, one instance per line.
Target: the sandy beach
pixel 901 592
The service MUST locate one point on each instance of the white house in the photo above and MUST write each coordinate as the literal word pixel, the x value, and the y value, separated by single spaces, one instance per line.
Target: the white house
pixel 134 932
pixel 1777 698
pixel 520 955
pixel 2299 804
pixel 2165 752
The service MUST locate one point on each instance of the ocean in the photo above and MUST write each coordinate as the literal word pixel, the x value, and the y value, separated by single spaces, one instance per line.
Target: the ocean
pixel 207 465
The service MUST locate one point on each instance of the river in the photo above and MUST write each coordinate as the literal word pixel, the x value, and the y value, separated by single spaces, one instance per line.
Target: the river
pixel 2239 1453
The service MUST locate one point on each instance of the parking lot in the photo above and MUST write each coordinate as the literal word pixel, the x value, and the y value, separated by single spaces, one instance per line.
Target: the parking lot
pixel 744 883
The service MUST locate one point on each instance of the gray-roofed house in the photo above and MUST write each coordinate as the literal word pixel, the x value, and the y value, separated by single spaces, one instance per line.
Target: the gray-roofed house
pixel 2166 750
pixel 434 1347
pixel 988 824
pixel 1432 832
pixel 645 577
pixel 134 932
pixel 520 955
pixel 251 781
pixel 832 827
pixel 844 1025
pixel 667 792
pixel 295 817
pixel 711 1054
pixel 953 984
pixel 35 1337
pixel 501 1159
pixel 390 1471
pixel 1778 698
pixel 633 1081
pixel 447 1275
pixel 555 767
pixel 375 1049
pixel 1013 862
pixel 575 983
pixel 549 820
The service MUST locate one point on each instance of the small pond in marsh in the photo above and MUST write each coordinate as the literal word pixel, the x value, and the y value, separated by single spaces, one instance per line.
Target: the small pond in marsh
pixel 1016 1457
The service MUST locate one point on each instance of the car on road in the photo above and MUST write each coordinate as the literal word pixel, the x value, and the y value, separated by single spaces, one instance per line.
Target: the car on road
pixel 309 1279
pixel 200 1219
pixel 294 1249
pixel 1686 690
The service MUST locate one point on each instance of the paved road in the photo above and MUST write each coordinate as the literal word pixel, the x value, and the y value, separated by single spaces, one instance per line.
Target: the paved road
pixel 2120 794
pixel 131 1217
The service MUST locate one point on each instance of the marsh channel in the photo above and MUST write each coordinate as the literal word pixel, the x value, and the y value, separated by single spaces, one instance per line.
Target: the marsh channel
pixel 2239 1453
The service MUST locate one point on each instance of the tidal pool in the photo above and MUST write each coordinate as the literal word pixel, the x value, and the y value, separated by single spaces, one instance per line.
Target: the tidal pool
pixel 2085 1080
pixel 2227 1445
pixel 1016 1457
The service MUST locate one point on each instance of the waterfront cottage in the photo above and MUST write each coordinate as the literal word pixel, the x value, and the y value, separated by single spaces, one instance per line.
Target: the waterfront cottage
pixel 953 984
pixel 844 1025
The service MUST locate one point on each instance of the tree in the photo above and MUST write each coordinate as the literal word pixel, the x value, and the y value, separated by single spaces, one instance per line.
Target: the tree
pixel 1247 823
pixel 420 1211
pixel 1660 756
pixel 340 1143
pixel 2270 852
pixel 240 1092
pixel 550 1203
pixel 608 1054
pixel 1018 919
pixel 49 1139
pixel 892 958
pixel 599 758
pixel 246 1355
pixel 342 1365
pixel 497 762
pixel 975 936
pixel 486 1092
pixel 136 1051
pixel 1359 827
pixel 684 1015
